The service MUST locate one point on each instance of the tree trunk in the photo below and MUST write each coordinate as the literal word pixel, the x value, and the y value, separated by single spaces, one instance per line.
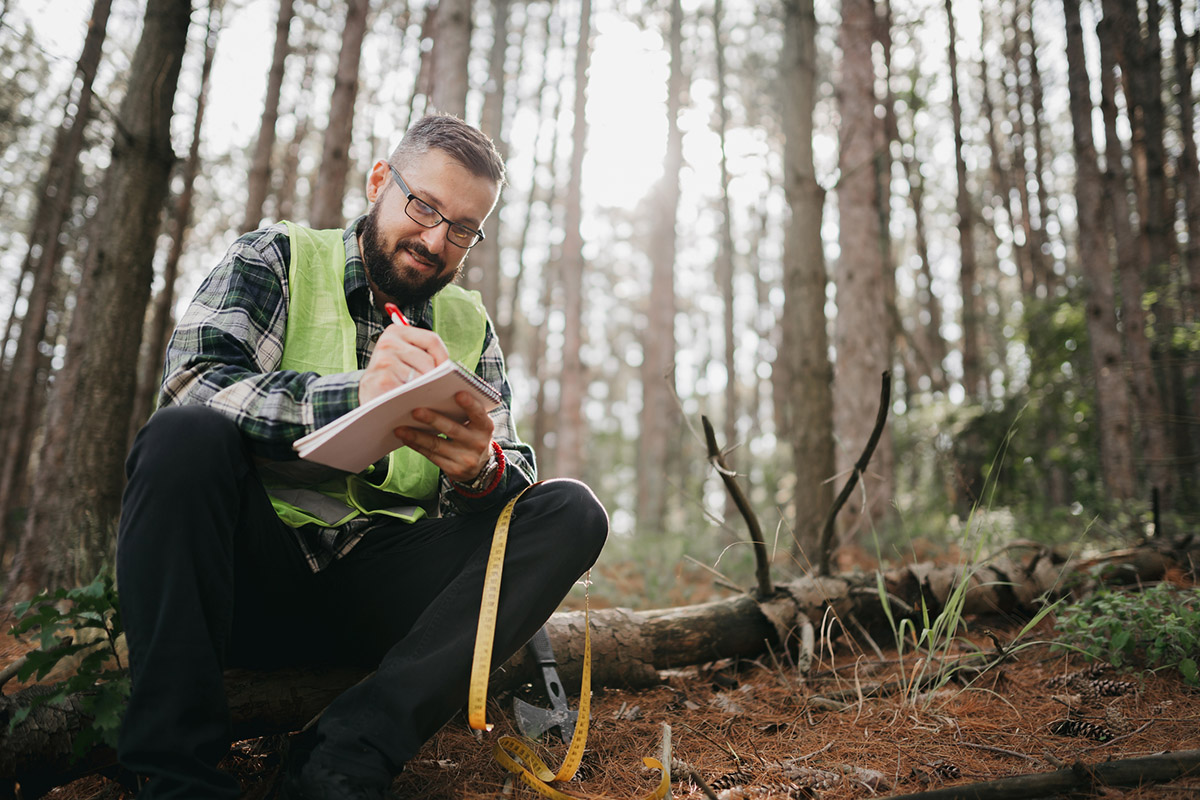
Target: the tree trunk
pixel 1039 244
pixel 285 194
pixel 506 325
pixel 862 333
pixel 483 262
pixel 974 382
pixel 725 256
pixel 77 494
pixel 808 422
pixel 1154 435
pixel 1112 394
pixel 330 186
pixel 1140 58
pixel 629 648
pixel 1186 164
pixel 161 320
pixel 659 419
pixel 448 59
pixel 569 428
pixel 22 382
pixel 259 182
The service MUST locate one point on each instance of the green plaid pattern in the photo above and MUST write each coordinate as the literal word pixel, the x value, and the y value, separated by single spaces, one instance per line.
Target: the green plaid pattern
pixel 226 350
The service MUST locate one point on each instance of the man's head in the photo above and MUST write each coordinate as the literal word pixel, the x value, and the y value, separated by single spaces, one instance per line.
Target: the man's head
pixel 451 175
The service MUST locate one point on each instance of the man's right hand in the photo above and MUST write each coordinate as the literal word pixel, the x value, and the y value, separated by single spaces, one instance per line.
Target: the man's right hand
pixel 402 353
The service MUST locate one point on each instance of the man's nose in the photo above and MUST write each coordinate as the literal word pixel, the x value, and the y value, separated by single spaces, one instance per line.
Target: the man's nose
pixel 435 238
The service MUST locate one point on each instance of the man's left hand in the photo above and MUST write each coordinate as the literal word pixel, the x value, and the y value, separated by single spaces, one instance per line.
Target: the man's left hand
pixel 465 450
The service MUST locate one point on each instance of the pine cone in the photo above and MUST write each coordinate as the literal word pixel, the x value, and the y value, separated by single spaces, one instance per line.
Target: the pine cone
pixel 1081 728
pixel 1111 688
pixel 811 777
pixel 730 780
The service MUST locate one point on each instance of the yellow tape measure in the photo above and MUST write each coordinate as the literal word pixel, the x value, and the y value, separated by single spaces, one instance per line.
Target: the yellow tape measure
pixel 511 751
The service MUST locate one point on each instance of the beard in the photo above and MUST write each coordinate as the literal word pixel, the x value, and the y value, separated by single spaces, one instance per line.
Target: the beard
pixel 394 279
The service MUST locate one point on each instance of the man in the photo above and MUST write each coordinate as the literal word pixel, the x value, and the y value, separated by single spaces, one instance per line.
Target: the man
pixel 233 552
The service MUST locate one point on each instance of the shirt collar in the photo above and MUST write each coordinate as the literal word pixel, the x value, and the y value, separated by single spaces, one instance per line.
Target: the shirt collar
pixel 355 281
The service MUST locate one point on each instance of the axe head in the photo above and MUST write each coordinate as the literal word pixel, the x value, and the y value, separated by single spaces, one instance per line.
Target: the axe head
pixel 534 722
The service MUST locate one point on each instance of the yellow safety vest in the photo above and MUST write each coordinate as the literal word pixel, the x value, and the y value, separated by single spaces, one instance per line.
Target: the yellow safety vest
pixel 320 337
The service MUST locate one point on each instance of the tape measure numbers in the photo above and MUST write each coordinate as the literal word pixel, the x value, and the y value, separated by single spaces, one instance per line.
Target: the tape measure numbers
pixel 508 749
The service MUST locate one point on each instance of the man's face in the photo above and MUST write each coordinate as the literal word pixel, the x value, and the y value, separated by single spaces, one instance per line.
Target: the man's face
pixel 406 262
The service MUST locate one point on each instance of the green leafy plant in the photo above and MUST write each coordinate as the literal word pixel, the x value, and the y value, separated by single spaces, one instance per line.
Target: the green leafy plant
pixel 80 624
pixel 1158 628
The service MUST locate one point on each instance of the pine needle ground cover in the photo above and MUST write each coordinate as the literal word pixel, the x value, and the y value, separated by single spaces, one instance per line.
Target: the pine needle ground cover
pixel 751 729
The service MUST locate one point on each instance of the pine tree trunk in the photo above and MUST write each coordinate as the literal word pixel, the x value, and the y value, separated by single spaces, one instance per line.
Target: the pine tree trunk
pixel 483 263
pixel 1112 395
pixel 448 59
pixel 974 381
pixel 809 411
pixel 285 194
pixel 569 428
pixel 330 186
pixel 77 493
pixel 507 326
pixel 725 259
pixel 161 320
pixel 659 420
pixel 1151 418
pixel 1040 244
pixel 259 182
pixel 22 382
pixel 862 335
pixel 1187 167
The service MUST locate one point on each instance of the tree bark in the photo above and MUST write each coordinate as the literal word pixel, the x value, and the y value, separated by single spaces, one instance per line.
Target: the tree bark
pixel 629 648
pixel 448 59
pixel 659 424
pixel 569 429
pixel 974 382
pixel 808 422
pixel 1187 166
pixel 506 324
pixel 483 263
pixel 330 186
pixel 285 194
pixel 1112 393
pixel 862 331
pixel 725 255
pixel 77 494
pixel 23 385
pixel 1153 432
pixel 259 182
pixel 1079 777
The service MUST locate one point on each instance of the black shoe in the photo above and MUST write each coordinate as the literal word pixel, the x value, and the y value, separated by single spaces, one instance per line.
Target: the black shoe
pixel 315 782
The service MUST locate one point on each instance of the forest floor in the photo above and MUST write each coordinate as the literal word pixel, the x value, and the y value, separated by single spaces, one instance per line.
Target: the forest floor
pixel 753 730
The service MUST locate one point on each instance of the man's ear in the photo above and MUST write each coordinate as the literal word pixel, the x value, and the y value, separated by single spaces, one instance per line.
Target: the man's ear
pixel 377 179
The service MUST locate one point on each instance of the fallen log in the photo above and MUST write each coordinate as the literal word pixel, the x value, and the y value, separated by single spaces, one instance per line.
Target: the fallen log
pixel 1079 776
pixel 629 647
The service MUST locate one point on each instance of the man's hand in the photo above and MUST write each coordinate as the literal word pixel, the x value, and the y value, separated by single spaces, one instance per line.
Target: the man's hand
pixel 401 354
pixel 464 451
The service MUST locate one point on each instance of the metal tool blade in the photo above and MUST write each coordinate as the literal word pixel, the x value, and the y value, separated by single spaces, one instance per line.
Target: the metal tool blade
pixel 534 722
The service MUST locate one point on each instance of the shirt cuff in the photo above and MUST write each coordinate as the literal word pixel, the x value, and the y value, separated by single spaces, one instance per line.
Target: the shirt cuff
pixel 332 396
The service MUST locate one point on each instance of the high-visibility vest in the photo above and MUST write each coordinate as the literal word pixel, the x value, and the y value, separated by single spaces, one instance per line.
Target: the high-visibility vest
pixel 320 337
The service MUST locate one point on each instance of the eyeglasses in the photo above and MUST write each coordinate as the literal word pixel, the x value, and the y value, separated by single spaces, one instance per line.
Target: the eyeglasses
pixel 426 215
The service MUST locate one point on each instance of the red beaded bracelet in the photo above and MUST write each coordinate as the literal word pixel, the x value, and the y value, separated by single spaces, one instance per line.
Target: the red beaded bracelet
pixel 495 481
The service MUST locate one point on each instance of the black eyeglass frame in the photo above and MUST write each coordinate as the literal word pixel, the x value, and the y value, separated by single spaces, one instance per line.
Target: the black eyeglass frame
pixel 454 226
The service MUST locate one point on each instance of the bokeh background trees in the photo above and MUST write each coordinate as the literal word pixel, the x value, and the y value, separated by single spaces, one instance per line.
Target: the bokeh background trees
pixel 748 209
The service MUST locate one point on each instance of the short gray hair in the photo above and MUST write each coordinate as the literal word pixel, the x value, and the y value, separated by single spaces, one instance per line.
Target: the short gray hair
pixel 464 143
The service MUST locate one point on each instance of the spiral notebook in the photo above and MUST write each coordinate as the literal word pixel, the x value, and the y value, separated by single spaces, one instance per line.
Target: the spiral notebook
pixel 358 439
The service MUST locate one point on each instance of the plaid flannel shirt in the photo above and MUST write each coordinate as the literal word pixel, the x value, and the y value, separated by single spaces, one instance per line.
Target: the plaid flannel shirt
pixel 226 349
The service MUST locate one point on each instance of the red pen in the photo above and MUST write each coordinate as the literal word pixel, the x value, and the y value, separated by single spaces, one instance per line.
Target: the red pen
pixel 394 313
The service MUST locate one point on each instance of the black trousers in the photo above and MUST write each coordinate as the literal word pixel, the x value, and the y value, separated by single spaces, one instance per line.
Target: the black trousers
pixel 209 578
